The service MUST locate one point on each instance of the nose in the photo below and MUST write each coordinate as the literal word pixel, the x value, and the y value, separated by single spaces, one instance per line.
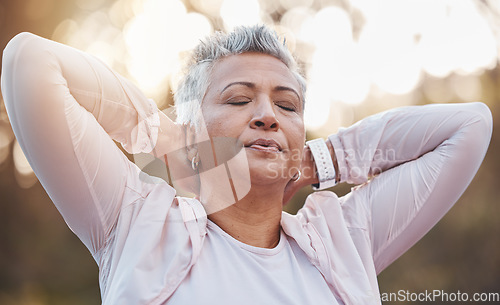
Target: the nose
pixel 264 117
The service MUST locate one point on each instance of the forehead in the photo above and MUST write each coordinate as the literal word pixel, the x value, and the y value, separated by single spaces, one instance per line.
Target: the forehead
pixel 260 69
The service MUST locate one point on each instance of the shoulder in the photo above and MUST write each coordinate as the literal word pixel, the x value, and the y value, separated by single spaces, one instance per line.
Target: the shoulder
pixel 144 184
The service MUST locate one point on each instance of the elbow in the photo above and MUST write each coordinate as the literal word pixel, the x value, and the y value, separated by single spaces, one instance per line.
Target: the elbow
pixel 11 58
pixel 23 49
pixel 19 38
pixel 24 63
pixel 14 47
pixel 14 54
pixel 485 118
pixel 481 126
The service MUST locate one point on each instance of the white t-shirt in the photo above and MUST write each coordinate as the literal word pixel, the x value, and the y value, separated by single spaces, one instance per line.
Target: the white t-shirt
pixel 65 108
pixel 231 272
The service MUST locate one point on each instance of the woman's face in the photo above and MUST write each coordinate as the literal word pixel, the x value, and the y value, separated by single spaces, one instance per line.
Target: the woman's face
pixel 254 98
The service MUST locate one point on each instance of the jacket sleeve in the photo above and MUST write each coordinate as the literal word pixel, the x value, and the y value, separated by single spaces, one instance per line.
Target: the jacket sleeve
pixel 413 163
pixel 65 108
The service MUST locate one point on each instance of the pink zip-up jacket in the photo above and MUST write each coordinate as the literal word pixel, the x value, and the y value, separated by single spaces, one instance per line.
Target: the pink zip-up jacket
pixel 66 108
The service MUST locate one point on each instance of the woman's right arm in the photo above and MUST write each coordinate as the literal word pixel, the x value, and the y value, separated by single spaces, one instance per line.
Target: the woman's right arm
pixel 65 108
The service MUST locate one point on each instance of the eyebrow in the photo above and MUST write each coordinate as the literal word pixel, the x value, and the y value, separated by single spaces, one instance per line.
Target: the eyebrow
pixel 284 88
pixel 252 85
pixel 247 84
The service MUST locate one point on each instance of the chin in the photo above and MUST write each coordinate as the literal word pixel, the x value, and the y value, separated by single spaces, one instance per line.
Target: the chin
pixel 268 173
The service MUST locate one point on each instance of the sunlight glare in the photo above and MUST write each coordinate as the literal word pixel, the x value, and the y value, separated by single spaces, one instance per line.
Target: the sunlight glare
pixel 20 161
pixel 153 56
pixel 240 12
pixel 4 144
pixel 295 19
pixel 317 108
pixel 332 28
pixel 211 8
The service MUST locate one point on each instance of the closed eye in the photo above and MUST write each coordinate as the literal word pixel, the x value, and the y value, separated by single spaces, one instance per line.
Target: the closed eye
pixel 239 103
pixel 286 107
pixel 238 100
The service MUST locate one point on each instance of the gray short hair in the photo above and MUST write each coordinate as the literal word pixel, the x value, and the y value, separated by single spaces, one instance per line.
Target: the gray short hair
pixel 258 38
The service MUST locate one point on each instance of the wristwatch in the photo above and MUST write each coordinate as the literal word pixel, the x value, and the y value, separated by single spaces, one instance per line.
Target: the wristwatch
pixel 324 164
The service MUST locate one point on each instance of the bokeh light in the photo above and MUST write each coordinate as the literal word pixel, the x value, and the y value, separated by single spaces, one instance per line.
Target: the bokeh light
pixel 353 52
pixel 154 57
pixel 385 54
pixel 23 173
pixel 240 12
pixel 5 140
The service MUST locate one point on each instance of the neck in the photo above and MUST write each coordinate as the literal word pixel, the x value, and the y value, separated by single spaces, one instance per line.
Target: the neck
pixel 254 219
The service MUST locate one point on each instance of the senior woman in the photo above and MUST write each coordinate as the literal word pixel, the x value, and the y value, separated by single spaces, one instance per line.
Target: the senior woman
pixel 238 144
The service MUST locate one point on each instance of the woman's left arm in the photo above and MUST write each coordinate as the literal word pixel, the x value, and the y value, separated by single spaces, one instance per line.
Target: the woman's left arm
pixel 421 158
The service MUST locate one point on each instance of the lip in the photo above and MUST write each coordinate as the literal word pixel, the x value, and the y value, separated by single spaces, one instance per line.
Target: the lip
pixel 266 145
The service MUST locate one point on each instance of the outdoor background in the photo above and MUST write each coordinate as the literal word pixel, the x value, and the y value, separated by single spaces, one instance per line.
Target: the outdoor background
pixel 360 57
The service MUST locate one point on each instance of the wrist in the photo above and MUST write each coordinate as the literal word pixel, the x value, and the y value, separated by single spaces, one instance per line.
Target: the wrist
pixel 331 149
pixel 324 164
pixel 308 168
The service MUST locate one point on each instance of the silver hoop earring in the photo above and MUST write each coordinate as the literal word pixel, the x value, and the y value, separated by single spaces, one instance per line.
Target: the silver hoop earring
pixel 195 162
pixel 297 176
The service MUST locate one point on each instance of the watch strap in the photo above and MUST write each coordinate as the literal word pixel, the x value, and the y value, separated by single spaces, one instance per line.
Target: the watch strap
pixel 324 164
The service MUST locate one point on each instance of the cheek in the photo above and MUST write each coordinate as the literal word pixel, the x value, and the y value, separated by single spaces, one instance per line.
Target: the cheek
pixel 223 125
pixel 296 141
pixel 225 121
pixel 212 121
pixel 217 130
pixel 297 133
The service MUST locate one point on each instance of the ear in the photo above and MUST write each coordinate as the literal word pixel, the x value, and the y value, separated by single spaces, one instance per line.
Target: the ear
pixel 198 143
pixel 191 141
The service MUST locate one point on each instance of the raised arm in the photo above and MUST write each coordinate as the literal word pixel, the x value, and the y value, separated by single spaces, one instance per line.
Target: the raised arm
pixel 425 157
pixel 64 105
